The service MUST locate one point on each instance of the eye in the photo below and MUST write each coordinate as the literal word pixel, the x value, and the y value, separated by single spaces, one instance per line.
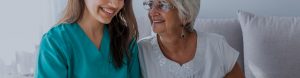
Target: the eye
pixel 120 0
pixel 164 5
pixel 148 4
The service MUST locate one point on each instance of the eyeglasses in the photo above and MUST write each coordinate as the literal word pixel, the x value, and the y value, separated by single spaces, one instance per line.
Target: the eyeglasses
pixel 159 5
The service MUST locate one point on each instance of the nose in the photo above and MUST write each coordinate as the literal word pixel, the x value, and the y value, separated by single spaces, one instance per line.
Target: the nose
pixel 153 12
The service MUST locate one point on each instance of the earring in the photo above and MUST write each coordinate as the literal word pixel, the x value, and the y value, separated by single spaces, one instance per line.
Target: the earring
pixel 182 32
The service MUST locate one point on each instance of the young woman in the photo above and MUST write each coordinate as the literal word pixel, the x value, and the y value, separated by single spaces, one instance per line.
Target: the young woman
pixel 94 39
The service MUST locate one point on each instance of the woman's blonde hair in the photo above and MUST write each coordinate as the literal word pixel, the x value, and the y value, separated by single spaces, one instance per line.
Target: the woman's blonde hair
pixel 122 29
pixel 187 11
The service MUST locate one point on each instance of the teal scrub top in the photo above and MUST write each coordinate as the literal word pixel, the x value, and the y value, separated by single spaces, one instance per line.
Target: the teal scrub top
pixel 67 52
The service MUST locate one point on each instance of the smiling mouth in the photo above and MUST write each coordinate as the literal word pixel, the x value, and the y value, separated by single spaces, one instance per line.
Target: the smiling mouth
pixel 107 11
pixel 158 21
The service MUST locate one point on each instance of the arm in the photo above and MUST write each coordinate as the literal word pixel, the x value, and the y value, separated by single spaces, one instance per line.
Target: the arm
pixel 232 68
pixel 236 72
pixel 134 67
pixel 50 61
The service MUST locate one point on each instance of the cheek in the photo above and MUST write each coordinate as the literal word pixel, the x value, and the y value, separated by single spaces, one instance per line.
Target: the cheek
pixel 99 2
pixel 149 17
pixel 120 5
pixel 159 28
pixel 170 20
pixel 173 23
pixel 91 6
pixel 173 19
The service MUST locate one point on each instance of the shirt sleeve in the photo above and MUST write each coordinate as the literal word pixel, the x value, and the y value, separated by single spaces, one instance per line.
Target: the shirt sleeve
pixel 134 69
pixel 51 62
pixel 229 55
pixel 142 60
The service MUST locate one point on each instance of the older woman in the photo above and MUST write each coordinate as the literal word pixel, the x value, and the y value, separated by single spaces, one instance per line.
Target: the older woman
pixel 178 51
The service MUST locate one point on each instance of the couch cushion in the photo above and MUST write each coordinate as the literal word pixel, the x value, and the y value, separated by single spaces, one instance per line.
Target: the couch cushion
pixel 271 46
pixel 229 28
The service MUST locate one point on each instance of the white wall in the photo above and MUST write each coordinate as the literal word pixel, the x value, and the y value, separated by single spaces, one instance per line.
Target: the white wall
pixel 228 8
pixel 22 24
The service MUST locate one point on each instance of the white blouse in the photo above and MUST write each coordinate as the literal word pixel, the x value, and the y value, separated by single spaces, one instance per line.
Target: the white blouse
pixel 214 58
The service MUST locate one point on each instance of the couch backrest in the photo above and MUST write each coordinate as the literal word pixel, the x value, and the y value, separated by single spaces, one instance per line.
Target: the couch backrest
pixel 230 28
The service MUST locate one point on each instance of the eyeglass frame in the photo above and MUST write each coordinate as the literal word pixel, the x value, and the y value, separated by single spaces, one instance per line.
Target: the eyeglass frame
pixel 159 5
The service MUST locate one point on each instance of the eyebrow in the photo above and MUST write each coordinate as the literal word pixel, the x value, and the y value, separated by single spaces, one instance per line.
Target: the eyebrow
pixel 158 1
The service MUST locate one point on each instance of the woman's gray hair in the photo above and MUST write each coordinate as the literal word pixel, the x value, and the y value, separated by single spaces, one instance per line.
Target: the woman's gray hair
pixel 187 11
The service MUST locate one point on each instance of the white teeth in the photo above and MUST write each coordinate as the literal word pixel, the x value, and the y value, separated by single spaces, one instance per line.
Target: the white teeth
pixel 108 10
pixel 157 21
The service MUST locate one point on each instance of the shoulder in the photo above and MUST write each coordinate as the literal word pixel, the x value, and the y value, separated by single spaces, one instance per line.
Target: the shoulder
pixel 61 32
pixel 219 49
pixel 147 46
pixel 215 42
pixel 60 29
pixel 55 40
pixel 146 41
pixel 211 37
pixel 133 47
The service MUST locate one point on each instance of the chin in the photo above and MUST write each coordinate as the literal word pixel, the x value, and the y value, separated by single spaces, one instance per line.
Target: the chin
pixel 105 21
pixel 157 30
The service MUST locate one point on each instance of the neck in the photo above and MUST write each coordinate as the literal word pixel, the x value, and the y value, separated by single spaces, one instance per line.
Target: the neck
pixel 92 28
pixel 173 42
pixel 90 25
